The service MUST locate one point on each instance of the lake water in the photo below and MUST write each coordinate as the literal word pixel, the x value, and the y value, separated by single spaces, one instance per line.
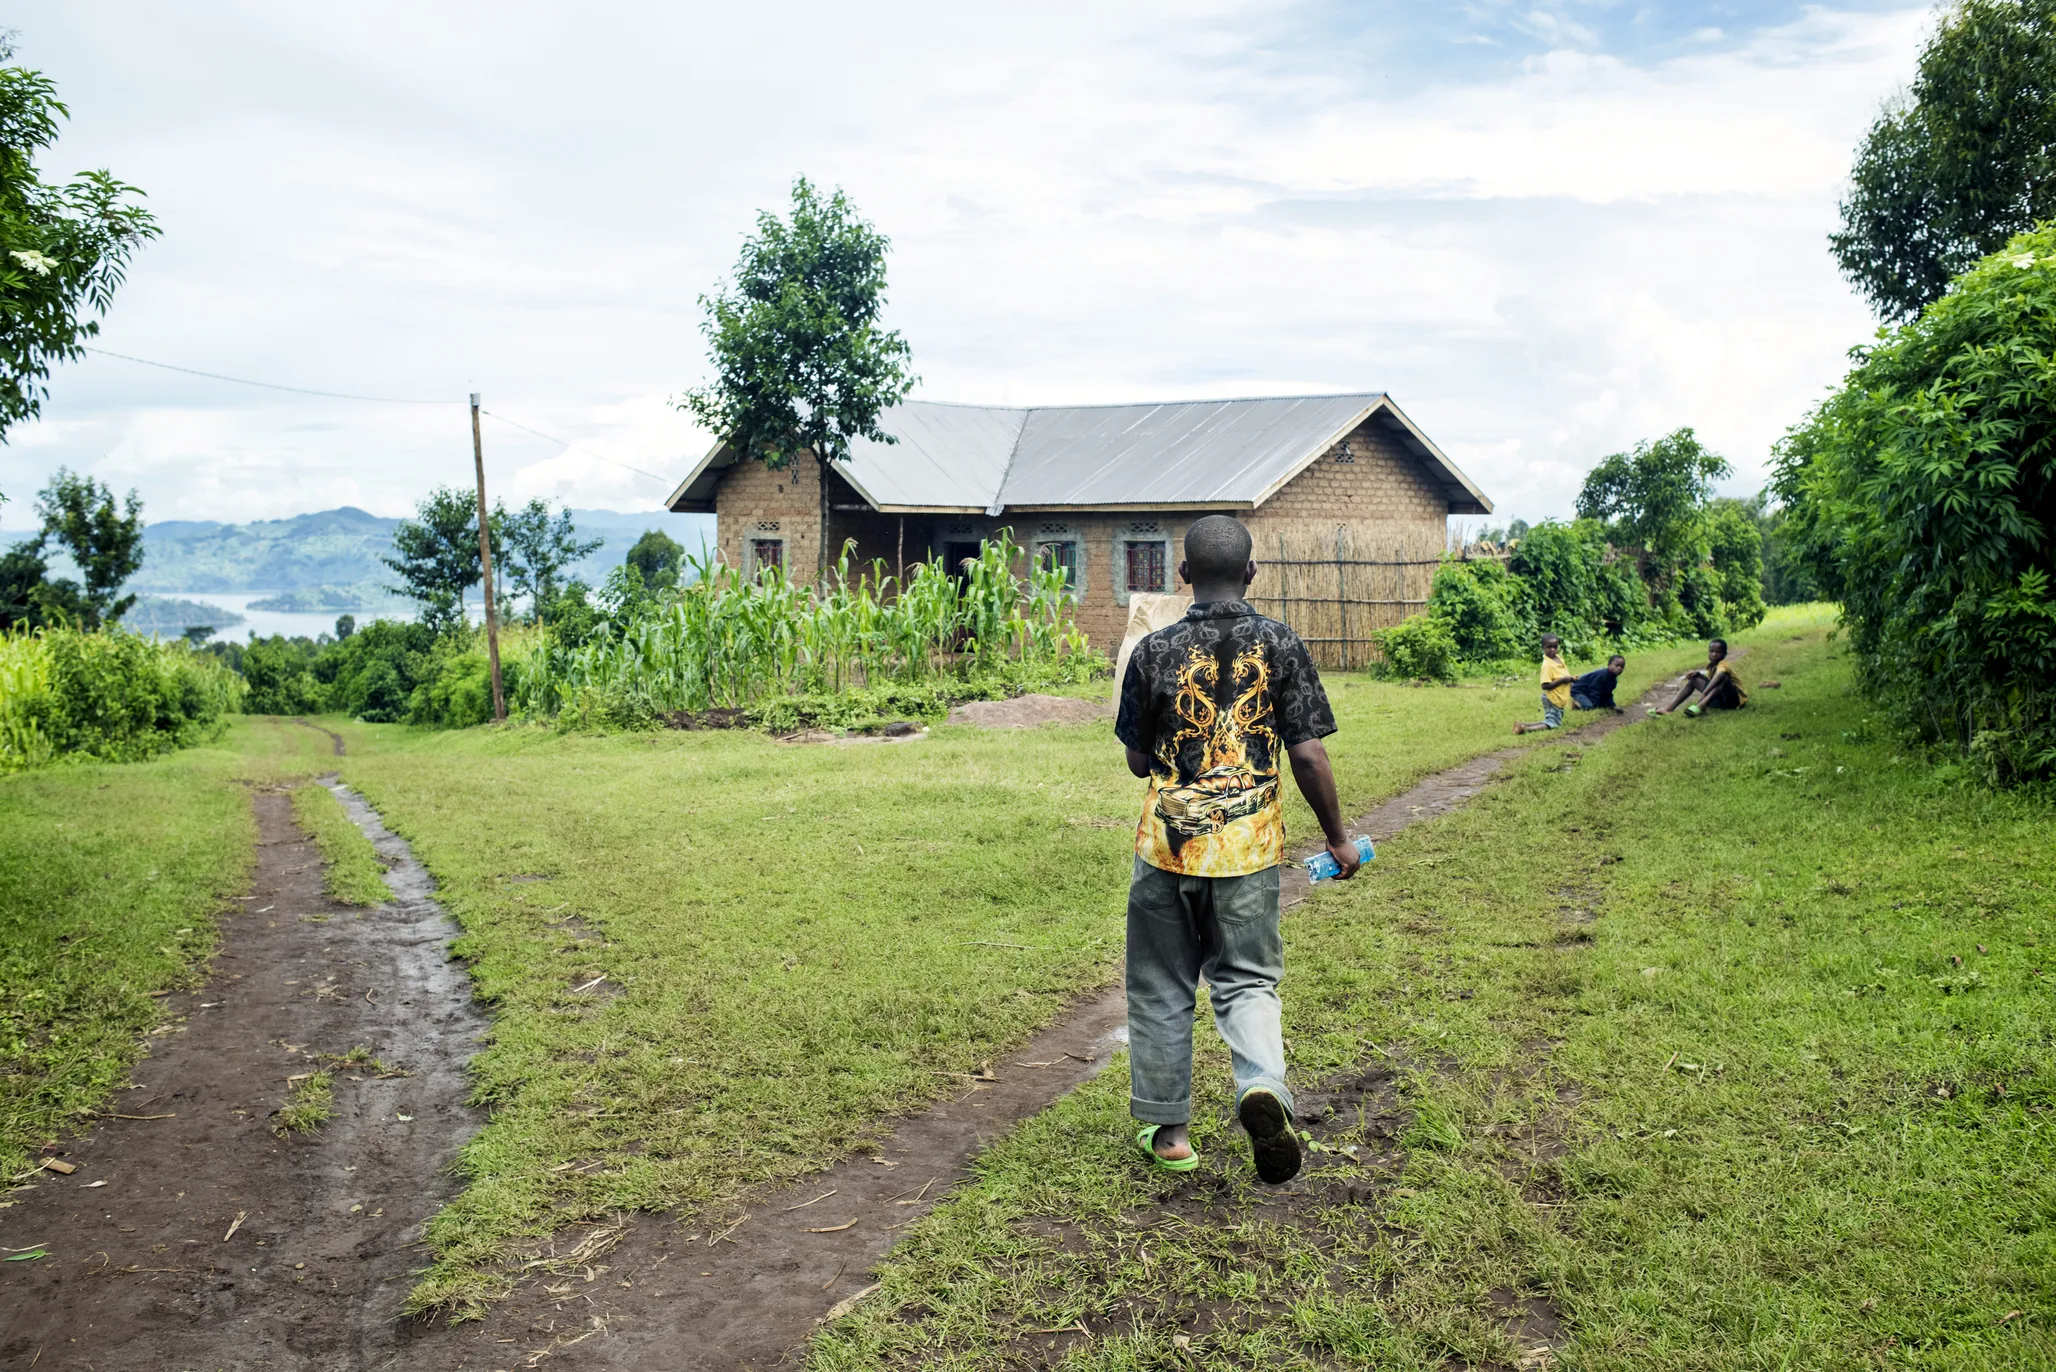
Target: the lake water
pixel 265 623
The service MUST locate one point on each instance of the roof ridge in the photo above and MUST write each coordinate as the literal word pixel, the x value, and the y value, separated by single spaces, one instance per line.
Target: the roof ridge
pixel 999 492
pixel 1135 404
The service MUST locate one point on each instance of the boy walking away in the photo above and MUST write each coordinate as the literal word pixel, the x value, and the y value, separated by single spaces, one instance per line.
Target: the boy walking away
pixel 1594 690
pixel 1718 688
pixel 1556 687
pixel 1211 709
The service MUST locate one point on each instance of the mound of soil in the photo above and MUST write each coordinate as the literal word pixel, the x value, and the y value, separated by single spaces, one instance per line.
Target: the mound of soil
pixel 720 717
pixel 1030 711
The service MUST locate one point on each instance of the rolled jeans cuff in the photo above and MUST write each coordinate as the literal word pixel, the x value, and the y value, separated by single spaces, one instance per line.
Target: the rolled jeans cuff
pixel 1275 1087
pixel 1160 1111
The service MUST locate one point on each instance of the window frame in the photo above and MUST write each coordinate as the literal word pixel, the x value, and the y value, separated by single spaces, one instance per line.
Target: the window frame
pixel 1128 538
pixel 1076 584
pixel 750 543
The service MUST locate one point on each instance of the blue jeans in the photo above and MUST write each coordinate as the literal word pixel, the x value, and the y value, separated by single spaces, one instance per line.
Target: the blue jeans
pixel 1182 929
pixel 1552 715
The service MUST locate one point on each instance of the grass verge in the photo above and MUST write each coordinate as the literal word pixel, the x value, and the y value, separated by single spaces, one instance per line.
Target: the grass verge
pixel 308 1105
pixel 679 931
pixel 1722 1044
pixel 355 876
pixel 112 876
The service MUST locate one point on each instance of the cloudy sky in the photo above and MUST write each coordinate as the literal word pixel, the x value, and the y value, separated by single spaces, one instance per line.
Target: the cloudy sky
pixel 1547 228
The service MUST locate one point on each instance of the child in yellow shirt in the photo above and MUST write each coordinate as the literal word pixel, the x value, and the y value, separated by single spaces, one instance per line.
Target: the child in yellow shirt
pixel 1556 687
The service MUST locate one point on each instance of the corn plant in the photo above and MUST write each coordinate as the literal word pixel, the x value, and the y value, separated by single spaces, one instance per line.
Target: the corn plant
pixel 730 640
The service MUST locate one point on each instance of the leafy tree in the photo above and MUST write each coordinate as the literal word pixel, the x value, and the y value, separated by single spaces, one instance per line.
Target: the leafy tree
pixel 345 626
pixel 64 249
pixel 106 544
pixel 1735 547
pixel 1653 498
pixel 538 551
pixel 1922 494
pixel 1959 163
pixel 22 576
pixel 801 363
pixel 657 556
pixel 436 554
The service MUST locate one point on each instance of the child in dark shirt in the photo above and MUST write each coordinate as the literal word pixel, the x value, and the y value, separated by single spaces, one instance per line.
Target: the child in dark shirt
pixel 1594 690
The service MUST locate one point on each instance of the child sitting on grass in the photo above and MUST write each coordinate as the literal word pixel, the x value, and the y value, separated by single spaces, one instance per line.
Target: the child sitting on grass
pixel 1556 687
pixel 1594 690
pixel 1717 687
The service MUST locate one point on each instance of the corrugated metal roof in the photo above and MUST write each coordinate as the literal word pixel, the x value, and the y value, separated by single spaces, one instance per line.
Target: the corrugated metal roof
pixel 1201 451
pixel 950 455
pixel 1194 452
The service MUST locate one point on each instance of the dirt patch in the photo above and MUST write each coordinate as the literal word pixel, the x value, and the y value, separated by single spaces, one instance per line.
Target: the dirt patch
pixel 214 1242
pixel 1030 711
pixel 890 734
pixel 334 737
pixel 720 717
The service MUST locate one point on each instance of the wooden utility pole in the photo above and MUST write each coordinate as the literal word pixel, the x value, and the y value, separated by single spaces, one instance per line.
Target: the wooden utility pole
pixel 485 559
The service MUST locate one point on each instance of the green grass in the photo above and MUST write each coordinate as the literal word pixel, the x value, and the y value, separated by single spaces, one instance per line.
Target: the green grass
pixel 310 1104
pixel 355 876
pixel 1669 1033
pixel 111 880
pixel 797 943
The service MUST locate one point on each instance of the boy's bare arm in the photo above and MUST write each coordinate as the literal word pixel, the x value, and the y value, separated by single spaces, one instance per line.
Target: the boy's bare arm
pixel 1317 783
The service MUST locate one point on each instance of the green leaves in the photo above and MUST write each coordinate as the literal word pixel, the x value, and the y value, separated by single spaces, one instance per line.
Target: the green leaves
pixel 801 362
pixel 63 249
pixel 1949 172
pixel 1924 494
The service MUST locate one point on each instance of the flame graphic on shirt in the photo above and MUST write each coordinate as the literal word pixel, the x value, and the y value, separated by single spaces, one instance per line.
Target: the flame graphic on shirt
pixel 1224 820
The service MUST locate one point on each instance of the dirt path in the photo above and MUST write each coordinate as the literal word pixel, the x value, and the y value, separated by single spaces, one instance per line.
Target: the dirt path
pixel 191 1236
pixel 748 1288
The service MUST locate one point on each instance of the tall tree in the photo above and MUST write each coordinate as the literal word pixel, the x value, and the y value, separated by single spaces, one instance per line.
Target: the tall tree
pixel 436 554
pixel 538 551
pixel 1653 497
pixel 64 249
pixel 1958 164
pixel 657 556
pixel 105 542
pixel 802 365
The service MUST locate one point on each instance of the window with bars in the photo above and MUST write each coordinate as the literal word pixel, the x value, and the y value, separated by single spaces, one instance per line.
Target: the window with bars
pixel 766 552
pixel 1147 566
pixel 1059 553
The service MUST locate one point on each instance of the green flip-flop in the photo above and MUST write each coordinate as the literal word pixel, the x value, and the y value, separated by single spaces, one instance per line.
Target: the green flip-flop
pixel 1146 1141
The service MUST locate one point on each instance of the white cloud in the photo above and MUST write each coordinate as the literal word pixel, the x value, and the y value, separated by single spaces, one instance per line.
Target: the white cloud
pixel 1542 263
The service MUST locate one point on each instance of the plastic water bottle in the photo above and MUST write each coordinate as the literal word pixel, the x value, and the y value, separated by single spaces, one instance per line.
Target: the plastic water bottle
pixel 1320 867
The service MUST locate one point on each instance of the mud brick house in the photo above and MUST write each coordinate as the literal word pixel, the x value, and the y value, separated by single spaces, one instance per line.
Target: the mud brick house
pixel 1326 483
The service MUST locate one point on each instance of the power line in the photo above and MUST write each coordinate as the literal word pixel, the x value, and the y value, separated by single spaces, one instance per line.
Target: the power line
pixel 573 447
pixel 266 385
pixel 381 400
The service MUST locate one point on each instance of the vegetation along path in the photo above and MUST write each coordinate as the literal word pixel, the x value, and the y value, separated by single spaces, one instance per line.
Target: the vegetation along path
pixel 746 1286
pixel 253 1197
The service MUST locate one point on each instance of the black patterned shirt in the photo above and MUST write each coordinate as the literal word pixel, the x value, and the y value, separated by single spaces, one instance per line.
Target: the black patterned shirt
pixel 1215 700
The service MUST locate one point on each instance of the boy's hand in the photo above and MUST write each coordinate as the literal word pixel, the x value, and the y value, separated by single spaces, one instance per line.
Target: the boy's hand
pixel 1346 857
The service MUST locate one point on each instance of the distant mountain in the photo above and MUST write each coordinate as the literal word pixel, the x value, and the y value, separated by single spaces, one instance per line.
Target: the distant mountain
pixel 333 556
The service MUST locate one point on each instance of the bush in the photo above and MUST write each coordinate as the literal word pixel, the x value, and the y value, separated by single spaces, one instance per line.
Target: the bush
pixel 279 672
pixel 1420 646
pixel 1479 604
pixel 456 691
pixel 1923 494
pixel 109 694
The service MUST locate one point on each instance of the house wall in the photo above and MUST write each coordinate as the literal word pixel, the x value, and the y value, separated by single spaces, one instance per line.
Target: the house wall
pixel 753 501
pixel 1385 504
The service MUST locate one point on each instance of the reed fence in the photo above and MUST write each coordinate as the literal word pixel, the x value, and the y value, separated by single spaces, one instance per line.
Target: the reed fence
pixel 1336 589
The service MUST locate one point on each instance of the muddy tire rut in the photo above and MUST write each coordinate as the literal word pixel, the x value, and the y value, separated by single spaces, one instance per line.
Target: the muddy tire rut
pixel 194 1236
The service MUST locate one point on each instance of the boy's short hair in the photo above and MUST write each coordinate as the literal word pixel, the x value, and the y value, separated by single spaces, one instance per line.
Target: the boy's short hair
pixel 1551 641
pixel 1217 548
pixel 1719 643
pixel 1617 658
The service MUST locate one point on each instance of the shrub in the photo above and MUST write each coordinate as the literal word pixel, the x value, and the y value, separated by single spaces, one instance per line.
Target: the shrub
pixel 109 694
pixel 1479 604
pixel 1923 493
pixel 1420 646
pixel 280 674
pixel 455 692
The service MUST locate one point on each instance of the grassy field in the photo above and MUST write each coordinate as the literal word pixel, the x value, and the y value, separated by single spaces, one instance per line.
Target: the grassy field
pixel 676 932
pixel 1725 1043
pixel 355 876
pixel 111 879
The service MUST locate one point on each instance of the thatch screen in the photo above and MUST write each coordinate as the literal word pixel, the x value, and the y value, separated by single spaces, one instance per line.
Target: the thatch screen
pixel 1336 588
